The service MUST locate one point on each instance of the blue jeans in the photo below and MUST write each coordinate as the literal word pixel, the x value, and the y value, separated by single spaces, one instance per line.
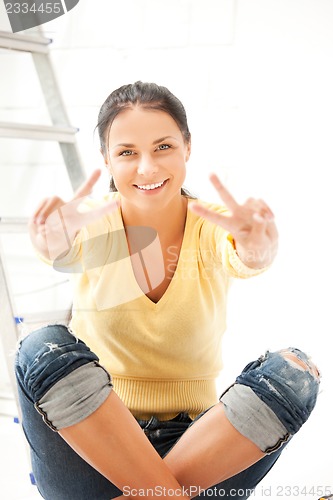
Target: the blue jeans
pixel 268 403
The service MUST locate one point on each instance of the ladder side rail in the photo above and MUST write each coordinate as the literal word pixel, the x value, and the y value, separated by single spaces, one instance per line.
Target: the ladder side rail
pixel 59 116
pixel 9 336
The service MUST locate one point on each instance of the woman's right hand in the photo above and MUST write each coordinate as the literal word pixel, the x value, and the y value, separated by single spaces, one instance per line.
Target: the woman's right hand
pixel 55 223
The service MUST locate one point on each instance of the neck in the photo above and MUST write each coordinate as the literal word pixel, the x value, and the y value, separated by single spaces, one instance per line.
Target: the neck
pixel 167 227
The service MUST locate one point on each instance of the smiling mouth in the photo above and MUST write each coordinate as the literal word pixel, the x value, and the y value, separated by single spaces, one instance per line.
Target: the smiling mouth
pixel 150 187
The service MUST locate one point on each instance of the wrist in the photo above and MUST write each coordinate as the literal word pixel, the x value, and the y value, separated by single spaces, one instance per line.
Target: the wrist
pixel 256 258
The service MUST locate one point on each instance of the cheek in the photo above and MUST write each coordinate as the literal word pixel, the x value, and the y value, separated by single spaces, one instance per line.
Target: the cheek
pixel 121 175
pixel 115 169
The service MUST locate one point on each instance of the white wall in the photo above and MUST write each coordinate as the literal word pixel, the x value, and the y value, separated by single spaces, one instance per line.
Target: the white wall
pixel 256 78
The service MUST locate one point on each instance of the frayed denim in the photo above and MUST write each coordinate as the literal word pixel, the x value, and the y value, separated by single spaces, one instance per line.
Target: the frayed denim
pixel 272 398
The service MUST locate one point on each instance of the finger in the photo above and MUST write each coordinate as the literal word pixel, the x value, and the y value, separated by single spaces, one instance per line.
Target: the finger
pixel 259 207
pixel 272 231
pixel 222 220
pixel 49 206
pixel 258 226
pixel 225 195
pixel 39 208
pixel 267 210
pixel 87 186
pixel 259 219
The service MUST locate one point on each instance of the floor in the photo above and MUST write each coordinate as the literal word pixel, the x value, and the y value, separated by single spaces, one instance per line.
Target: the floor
pixel 304 472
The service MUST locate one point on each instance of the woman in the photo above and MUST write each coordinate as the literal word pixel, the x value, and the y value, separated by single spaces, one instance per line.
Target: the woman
pixel 151 267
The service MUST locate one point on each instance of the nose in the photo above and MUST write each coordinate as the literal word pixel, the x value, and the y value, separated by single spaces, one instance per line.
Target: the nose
pixel 146 166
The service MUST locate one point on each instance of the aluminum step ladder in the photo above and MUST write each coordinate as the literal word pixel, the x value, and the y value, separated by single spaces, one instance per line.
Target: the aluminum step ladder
pixel 63 133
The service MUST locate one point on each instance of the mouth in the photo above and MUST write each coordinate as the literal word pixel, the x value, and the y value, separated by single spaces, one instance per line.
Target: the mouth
pixel 151 187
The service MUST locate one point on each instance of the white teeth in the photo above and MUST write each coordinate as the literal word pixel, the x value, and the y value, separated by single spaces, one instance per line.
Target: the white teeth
pixel 151 186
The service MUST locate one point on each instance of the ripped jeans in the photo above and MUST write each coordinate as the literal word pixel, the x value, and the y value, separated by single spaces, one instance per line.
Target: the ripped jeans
pixel 60 382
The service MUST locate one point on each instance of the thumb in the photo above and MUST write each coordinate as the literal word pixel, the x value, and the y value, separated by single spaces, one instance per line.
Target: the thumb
pixel 88 185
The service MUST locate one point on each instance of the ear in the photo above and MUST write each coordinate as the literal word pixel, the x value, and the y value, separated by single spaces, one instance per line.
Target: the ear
pixel 106 161
pixel 188 150
pixel 104 157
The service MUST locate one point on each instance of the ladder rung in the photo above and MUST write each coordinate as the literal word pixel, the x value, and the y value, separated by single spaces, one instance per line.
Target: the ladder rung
pixel 38 132
pixel 13 224
pixel 24 43
pixel 6 395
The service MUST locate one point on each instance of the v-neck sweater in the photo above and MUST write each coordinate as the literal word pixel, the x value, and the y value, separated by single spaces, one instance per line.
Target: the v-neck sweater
pixel 163 357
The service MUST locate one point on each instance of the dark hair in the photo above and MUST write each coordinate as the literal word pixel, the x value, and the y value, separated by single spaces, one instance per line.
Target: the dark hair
pixel 148 96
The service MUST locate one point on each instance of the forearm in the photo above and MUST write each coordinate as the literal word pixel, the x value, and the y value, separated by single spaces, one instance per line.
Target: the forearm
pixel 199 459
pixel 112 442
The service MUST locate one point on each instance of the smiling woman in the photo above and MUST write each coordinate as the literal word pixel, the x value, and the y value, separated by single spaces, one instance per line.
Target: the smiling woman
pixel 148 97
pixel 143 349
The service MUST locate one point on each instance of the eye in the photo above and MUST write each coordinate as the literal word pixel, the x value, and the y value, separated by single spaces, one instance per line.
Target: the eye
pixel 164 146
pixel 127 152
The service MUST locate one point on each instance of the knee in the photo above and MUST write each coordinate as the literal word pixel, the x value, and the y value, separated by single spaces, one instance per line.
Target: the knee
pixel 290 380
pixel 273 397
pixel 300 378
pixel 300 361
pixel 40 341
pixel 61 376
pixel 47 354
pixel 43 345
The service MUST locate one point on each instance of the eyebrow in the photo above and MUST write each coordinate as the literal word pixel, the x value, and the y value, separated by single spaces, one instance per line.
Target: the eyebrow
pixel 128 145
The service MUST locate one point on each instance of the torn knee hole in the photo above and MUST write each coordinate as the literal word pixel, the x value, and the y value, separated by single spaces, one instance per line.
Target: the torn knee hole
pixel 300 364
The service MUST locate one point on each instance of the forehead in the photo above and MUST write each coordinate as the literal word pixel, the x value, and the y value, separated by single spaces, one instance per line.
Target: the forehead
pixel 140 124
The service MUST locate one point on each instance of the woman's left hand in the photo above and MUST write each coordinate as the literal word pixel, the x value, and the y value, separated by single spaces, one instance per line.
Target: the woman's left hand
pixel 251 225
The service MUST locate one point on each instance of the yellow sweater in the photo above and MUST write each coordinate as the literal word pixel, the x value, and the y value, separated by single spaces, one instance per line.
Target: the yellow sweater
pixel 164 357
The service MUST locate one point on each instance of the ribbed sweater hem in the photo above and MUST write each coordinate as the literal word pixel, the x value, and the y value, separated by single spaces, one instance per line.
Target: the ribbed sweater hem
pixel 164 399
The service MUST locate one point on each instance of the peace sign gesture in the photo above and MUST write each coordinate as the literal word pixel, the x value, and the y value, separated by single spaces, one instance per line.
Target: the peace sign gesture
pixel 55 222
pixel 251 225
